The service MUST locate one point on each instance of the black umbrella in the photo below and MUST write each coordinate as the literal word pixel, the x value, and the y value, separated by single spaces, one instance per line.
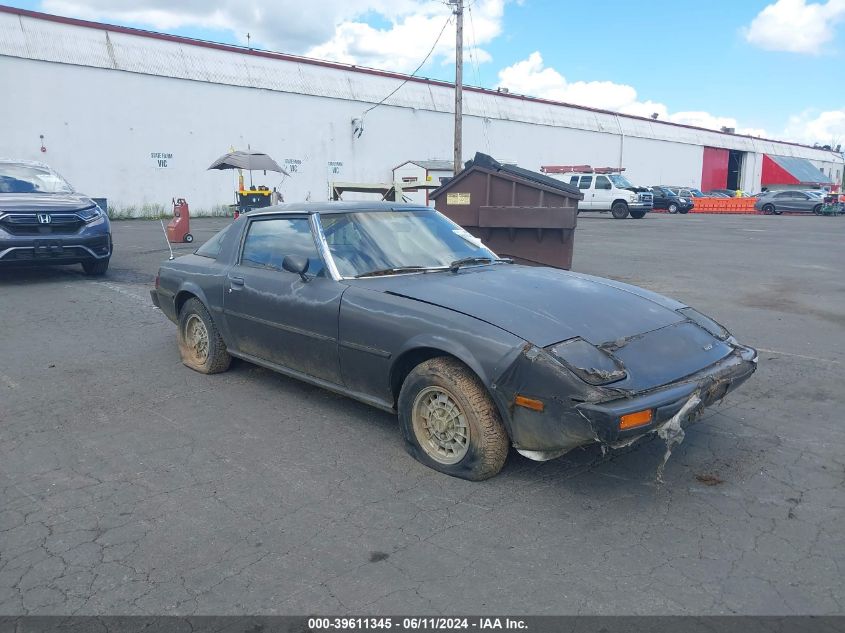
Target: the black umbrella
pixel 247 160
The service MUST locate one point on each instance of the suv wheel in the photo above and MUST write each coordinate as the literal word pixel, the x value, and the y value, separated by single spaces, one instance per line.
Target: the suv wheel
pixel 619 210
pixel 672 208
pixel 96 267
pixel 449 421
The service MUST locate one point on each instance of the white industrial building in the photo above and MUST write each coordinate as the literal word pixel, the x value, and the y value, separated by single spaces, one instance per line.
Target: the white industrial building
pixel 137 117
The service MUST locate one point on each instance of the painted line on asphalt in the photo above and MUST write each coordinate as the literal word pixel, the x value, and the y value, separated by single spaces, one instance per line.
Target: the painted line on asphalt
pixel 815 358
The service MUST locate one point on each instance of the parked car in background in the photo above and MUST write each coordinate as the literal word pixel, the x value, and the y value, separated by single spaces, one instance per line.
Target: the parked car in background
pixel 397 306
pixel 666 198
pixel 44 221
pixel 777 202
pixel 609 192
pixel 717 194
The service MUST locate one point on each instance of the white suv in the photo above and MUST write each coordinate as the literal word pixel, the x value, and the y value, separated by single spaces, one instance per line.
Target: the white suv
pixel 609 192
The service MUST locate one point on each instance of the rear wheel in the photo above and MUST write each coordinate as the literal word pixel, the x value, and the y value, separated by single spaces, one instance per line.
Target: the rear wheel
pixel 96 267
pixel 619 210
pixel 449 421
pixel 200 344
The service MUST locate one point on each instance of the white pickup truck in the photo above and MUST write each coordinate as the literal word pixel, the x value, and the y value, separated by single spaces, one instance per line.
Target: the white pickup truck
pixel 609 192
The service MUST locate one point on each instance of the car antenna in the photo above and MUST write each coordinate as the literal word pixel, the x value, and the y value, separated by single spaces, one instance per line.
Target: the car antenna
pixel 166 239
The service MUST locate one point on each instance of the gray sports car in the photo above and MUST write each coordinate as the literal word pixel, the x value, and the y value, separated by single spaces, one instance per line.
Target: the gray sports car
pixel 398 307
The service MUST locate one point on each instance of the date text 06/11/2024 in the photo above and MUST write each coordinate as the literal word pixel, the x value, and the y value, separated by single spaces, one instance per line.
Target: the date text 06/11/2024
pixel 416 624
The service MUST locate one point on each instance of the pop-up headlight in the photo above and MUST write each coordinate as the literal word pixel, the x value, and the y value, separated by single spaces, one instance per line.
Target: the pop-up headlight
pixel 591 364
pixel 706 322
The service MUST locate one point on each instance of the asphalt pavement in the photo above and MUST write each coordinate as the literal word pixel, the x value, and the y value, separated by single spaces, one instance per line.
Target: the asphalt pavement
pixel 131 485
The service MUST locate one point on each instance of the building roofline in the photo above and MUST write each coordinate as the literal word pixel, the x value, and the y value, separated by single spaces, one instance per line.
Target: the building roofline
pixel 233 48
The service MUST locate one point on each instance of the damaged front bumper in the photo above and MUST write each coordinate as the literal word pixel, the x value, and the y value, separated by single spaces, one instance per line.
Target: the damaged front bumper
pixel 592 415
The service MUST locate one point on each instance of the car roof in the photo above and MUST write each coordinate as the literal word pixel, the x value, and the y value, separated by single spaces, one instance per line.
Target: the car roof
pixel 332 206
pixel 21 161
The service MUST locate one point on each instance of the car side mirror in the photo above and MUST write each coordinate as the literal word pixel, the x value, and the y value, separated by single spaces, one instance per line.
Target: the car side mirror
pixel 296 264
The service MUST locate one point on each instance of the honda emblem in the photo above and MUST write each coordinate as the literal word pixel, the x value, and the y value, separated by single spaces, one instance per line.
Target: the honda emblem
pixel 44 218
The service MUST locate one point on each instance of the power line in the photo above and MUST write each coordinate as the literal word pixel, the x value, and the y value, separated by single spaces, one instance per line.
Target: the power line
pixel 413 74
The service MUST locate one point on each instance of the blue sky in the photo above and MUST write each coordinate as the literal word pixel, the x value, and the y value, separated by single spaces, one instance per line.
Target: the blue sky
pixel 768 67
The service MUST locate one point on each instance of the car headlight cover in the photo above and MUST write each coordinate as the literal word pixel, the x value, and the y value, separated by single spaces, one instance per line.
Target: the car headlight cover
pixel 591 364
pixel 706 322
pixel 90 213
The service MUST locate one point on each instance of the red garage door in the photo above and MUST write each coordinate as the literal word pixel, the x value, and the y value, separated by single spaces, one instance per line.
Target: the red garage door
pixel 714 172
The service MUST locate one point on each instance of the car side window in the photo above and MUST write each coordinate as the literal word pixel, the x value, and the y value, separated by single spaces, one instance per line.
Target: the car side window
pixel 213 246
pixel 784 194
pixel 585 183
pixel 269 241
pixel 573 180
pixel 603 182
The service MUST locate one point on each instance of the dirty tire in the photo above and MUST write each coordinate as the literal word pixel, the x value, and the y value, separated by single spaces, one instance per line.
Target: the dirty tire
pixel 639 214
pixel 96 268
pixel 619 210
pixel 215 359
pixel 487 443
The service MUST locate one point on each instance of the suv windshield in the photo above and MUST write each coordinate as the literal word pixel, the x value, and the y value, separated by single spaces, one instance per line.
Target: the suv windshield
pixel 368 241
pixel 620 181
pixel 20 178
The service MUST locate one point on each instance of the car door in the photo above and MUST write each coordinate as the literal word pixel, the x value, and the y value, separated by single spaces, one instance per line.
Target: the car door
pixel 602 192
pixel 586 187
pixel 658 197
pixel 803 202
pixel 276 316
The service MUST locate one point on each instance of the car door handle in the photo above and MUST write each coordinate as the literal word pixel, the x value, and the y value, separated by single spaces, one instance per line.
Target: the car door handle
pixel 236 281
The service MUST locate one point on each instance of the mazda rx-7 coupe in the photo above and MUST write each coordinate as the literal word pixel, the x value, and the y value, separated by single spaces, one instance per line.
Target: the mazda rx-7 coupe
pixel 398 307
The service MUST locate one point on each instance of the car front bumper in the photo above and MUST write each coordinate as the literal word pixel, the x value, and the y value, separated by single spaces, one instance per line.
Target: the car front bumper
pixel 568 422
pixel 640 206
pixel 91 243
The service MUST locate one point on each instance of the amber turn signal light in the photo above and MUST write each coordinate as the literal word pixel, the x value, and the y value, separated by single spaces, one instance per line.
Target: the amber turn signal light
pixel 633 420
pixel 529 403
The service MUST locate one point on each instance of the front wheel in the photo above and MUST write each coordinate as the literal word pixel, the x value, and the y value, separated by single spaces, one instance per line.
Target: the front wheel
pixel 96 267
pixel 200 344
pixel 449 421
pixel 817 209
pixel 683 211
pixel 768 209
pixel 619 210
pixel 672 208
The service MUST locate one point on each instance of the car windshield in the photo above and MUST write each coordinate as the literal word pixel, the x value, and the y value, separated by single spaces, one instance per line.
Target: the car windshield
pixel 366 242
pixel 697 193
pixel 20 178
pixel 619 181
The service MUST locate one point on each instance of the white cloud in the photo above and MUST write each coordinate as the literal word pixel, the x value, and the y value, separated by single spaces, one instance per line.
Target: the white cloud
pixel 795 26
pixel 531 76
pixel 824 128
pixel 338 30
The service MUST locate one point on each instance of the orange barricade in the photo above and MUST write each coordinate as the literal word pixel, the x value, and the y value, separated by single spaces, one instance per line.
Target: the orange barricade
pixel 725 205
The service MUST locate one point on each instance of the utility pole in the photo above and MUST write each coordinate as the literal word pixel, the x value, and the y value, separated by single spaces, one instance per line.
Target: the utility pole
pixel 459 80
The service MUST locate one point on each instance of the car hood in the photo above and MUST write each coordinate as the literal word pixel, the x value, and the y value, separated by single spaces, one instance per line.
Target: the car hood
pixel 43 202
pixel 540 305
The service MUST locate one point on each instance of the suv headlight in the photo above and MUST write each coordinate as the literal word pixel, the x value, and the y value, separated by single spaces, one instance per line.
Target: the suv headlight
pixel 591 364
pixel 682 200
pixel 89 214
